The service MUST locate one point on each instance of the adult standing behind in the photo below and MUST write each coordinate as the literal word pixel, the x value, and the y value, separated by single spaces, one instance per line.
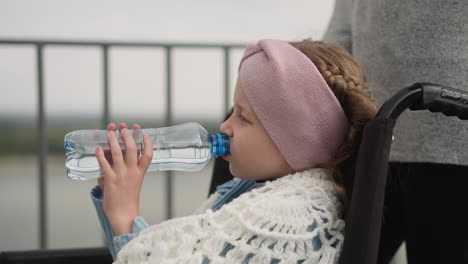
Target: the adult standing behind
pixel 398 43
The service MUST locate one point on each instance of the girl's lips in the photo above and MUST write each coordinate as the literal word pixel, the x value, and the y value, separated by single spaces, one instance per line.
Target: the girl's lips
pixel 226 157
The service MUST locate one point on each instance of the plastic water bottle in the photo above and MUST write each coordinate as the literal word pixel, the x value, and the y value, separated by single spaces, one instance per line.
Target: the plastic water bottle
pixel 185 147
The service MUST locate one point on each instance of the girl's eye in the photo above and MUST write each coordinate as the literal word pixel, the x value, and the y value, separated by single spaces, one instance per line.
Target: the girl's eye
pixel 241 118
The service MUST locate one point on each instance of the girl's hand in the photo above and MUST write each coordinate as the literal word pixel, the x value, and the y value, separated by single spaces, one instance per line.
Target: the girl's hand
pixel 122 183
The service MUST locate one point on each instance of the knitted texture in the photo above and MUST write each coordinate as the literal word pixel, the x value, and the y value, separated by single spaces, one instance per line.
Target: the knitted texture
pixel 294 219
pixel 293 102
pixel 401 42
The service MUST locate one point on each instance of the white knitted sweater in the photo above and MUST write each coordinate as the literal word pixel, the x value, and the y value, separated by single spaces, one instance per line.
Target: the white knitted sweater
pixel 294 219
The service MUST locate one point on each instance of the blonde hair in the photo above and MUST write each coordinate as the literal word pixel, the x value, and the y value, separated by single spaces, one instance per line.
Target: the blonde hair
pixel 347 81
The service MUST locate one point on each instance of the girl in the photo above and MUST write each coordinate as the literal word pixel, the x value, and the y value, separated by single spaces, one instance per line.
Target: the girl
pixel 298 110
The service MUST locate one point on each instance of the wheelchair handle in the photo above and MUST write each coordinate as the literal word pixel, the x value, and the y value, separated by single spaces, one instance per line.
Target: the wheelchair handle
pixel 427 96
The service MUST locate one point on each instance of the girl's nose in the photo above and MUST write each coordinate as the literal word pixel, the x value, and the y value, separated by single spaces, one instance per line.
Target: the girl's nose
pixel 225 128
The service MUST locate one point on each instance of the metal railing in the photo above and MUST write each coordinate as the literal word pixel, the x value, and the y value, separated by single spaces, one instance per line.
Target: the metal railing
pixel 105 46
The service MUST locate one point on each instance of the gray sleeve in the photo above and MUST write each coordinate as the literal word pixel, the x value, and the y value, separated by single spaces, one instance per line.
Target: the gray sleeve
pixel 339 29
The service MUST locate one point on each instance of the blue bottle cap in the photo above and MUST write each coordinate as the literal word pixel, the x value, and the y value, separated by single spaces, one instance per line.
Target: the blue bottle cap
pixel 219 145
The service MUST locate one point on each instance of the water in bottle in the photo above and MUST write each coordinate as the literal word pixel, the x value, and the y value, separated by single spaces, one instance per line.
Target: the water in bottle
pixel 185 147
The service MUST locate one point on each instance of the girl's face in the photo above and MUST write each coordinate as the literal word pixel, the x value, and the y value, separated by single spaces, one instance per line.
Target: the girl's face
pixel 254 155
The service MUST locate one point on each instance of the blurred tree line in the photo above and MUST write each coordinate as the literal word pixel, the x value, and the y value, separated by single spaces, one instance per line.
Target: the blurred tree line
pixel 18 135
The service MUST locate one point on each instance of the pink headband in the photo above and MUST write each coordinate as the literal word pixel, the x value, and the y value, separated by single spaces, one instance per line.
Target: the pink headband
pixel 293 103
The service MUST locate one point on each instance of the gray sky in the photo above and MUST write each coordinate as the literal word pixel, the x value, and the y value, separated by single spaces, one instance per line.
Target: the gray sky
pixel 73 75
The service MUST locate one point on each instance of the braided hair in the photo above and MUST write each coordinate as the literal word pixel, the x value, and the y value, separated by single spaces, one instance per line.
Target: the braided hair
pixel 346 79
